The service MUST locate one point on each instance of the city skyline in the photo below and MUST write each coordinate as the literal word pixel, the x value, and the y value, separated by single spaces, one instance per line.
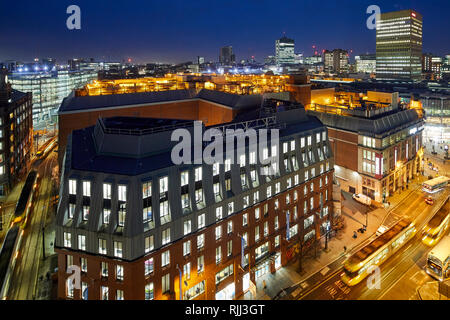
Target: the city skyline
pixel 112 33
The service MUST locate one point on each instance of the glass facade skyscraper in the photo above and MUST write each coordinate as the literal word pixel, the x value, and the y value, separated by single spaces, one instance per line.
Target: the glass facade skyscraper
pixel 399 46
pixel 49 88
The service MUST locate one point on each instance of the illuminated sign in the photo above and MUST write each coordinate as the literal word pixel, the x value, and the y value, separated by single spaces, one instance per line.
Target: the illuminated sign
pixel 413 14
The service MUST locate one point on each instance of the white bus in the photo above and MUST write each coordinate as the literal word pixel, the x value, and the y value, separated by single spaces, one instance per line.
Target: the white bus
pixel 435 185
pixel 438 262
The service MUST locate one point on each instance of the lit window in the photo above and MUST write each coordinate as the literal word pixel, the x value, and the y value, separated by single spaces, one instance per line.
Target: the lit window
pixel 118 249
pixel 82 242
pixel 149 244
pixel 72 186
pixel 86 188
pixel 119 272
pixel 149 294
pixel 101 246
pixel 198 174
pixel 148 266
pixel 201 220
pixel 165 258
pixel 122 193
pixel 106 191
pixel 187 227
pixel 186 248
pixel 184 178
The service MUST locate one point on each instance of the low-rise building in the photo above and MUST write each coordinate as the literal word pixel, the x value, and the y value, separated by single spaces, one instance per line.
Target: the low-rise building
pixel 377 145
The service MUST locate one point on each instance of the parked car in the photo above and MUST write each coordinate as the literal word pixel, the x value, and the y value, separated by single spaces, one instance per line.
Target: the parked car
pixel 429 200
pixel 362 198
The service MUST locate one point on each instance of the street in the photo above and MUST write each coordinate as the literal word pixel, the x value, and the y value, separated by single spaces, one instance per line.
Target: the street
pixel 402 273
pixel 24 279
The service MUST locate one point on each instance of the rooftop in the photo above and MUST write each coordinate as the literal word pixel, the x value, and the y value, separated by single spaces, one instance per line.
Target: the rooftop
pixel 383 124
pixel 132 146
pixel 74 103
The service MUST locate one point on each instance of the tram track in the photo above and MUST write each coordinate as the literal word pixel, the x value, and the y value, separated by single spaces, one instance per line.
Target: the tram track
pixel 25 276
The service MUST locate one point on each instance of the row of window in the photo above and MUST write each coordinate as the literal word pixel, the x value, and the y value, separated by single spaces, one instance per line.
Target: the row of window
pixel 201 218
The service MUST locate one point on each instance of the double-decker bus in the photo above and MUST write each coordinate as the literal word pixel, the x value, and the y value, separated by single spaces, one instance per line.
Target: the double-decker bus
pixel 358 265
pixel 438 262
pixel 438 225
pixel 435 185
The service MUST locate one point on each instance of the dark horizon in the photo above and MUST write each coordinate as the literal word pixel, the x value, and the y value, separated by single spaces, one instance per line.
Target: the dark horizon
pixel 178 31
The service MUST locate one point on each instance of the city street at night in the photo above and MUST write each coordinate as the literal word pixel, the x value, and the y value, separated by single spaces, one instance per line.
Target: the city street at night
pixel 225 159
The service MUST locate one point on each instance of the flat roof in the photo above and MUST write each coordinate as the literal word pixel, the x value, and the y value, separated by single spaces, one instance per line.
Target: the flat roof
pixel 87 103
pixel 97 150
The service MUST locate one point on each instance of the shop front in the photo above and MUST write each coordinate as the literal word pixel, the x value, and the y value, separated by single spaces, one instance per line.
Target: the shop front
pixel 227 293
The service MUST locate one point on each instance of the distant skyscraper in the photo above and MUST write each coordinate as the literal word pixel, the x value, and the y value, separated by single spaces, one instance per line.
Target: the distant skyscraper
pixel 226 56
pixel 284 51
pixel 399 46
pixel 200 60
pixel 436 66
pixel 426 62
pixel 336 61
pixel 313 59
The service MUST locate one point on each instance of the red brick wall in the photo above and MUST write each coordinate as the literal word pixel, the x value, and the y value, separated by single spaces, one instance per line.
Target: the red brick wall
pixel 345 148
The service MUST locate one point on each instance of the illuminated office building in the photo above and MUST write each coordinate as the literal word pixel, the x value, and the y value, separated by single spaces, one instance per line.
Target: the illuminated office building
pixel 336 61
pixel 284 51
pixel 16 134
pixel 48 86
pixel 399 46
pixel 366 63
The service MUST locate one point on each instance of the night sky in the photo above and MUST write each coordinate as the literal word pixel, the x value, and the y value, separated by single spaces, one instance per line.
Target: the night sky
pixel 177 31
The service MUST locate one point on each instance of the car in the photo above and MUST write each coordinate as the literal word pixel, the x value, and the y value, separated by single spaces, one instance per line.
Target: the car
pixel 362 198
pixel 429 200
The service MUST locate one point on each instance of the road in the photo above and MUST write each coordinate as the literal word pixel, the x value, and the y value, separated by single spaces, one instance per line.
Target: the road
pixel 402 273
pixel 25 275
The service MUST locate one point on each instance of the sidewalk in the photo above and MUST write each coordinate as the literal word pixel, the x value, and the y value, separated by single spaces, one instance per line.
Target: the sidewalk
pixel 429 291
pixel 46 286
pixel 288 282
